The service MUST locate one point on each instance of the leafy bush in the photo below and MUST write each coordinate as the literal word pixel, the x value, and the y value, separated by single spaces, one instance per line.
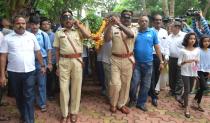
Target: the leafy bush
pixel 94 22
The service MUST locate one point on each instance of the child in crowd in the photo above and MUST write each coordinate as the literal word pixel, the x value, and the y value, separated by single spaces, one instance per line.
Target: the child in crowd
pixel 203 71
pixel 188 59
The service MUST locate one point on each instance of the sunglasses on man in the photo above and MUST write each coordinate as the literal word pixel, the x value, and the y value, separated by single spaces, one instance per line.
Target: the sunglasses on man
pixel 126 16
pixel 66 17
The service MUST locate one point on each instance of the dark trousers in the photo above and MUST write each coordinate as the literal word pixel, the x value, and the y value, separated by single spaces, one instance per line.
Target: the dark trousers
pixel 1 93
pixel 203 77
pixel 188 82
pixel 85 68
pixel 10 91
pixel 155 76
pixel 23 85
pixel 100 74
pixel 52 82
pixel 175 80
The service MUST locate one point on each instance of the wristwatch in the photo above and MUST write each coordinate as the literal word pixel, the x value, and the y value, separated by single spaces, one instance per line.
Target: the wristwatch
pixel 161 62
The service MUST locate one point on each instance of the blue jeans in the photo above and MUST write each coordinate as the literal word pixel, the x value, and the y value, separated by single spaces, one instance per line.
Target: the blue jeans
pixel 141 76
pixel 23 85
pixel 41 81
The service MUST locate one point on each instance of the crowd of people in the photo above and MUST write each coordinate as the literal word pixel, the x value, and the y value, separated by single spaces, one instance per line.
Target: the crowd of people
pixel 37 62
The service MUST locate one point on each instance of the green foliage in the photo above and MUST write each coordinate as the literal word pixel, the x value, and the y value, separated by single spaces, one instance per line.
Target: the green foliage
pixel 53 8
pixel 3 10
pixel 127 4
pixel 154 6
pixel 94 22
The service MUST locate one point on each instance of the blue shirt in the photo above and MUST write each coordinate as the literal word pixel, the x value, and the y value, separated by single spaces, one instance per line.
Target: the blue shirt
pixel 205 26
pixel 44 42
pixel 53 51
pixel 204 64
pixel 143 47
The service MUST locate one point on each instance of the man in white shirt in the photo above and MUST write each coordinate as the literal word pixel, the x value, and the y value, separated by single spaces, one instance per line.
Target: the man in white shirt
pixel 2 89
pixel 19 48
pixel 162 35
pixel 175 40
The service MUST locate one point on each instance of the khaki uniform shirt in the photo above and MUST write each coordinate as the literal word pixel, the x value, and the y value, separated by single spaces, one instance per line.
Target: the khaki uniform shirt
pixel 118 36
pixel 61 41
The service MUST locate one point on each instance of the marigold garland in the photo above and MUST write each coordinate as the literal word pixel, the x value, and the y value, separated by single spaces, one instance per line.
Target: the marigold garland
pixel 98 37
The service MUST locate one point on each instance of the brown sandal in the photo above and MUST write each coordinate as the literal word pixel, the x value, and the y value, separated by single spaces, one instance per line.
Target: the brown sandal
pixel 73 118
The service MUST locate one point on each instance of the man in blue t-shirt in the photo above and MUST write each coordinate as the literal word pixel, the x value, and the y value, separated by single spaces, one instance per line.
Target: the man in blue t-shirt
pixel 143 49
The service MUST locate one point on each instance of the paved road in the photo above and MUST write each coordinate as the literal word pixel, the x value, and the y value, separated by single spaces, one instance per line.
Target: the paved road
pixel 95 109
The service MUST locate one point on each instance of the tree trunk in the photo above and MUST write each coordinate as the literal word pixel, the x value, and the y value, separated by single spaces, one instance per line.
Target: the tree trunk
pixel 144 6
pixel 165 8
pixel 171 11
pixel 206 8
pixel 21 7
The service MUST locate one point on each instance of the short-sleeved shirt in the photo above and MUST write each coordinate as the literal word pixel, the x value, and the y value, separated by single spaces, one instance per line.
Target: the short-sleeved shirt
pixel 189 69
pixel 44 42
pixel 1 38
pixel 20 49
pixel 175 44
pixel 143 47
pixel 162 35
pixel 118 46
pixel 61 41
pixel 204 63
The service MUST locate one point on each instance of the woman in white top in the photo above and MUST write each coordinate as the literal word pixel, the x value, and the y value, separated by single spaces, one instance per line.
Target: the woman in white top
pixel 188 59
pixel 203 71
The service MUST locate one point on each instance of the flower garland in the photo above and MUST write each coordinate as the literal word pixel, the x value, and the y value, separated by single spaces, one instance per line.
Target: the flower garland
pixel 96 39
pixel 98 36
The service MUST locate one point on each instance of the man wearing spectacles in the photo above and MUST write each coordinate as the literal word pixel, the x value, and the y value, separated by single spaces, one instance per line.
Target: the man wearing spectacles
pixel 121 33
pixel 68 44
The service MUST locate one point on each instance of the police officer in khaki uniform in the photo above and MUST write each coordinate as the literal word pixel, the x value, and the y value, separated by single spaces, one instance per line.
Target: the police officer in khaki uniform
pixel 121 33
pixel 68 44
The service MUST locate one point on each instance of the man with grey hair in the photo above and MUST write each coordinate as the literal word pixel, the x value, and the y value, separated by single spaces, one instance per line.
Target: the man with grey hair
pixel 175 40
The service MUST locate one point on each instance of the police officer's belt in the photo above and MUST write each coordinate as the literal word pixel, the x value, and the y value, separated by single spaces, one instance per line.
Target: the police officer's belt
pixel 123 55
pixel 76 55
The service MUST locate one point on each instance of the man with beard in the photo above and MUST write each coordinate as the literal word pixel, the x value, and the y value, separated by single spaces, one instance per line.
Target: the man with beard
pixel 20 47
pixel 121 33
pixel 68 44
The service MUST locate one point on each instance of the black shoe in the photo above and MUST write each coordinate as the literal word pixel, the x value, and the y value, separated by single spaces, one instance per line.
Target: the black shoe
pixel 143 108
pixel 43 109
pixel 51 98
pixel 200 109
pixel 187 115
pixel 154 102
pixel 131 104
pixel 4 104
pixel 156 92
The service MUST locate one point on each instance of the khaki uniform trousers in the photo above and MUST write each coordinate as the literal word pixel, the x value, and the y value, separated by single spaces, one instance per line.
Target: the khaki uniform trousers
pixel 70 77
pixel 121 73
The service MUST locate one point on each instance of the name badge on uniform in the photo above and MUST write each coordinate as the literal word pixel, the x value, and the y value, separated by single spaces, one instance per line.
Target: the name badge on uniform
pixel 62 36
pixel 116 32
